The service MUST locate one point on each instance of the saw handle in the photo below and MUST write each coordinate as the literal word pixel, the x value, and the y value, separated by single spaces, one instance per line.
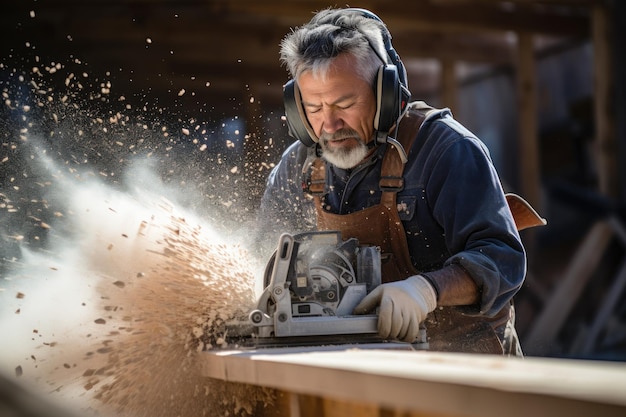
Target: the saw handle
pixel 282 262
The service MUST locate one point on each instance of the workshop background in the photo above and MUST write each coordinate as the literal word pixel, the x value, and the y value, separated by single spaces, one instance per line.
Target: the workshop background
pixel 540 82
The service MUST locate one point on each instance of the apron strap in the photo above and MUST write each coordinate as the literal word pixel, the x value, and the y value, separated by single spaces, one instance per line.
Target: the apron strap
pixel 314 180
pixel 391 178
pixel 392 181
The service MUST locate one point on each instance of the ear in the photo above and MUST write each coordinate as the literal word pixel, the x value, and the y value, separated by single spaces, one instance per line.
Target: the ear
pixel 299 127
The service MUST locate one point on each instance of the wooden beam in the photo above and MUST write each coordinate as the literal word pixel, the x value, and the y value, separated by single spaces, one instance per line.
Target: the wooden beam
pixel 427 16
pixel 605 141
pixel 494 48
pixel 528 120
pixel 449 85
pixel 560 3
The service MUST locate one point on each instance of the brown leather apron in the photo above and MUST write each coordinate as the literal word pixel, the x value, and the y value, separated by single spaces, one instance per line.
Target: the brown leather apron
pixel 380 225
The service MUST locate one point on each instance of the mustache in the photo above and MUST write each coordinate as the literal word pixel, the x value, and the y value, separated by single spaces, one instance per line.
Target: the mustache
pixel 340 134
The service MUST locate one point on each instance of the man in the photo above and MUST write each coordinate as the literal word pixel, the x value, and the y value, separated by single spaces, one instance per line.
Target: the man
pixel 452 255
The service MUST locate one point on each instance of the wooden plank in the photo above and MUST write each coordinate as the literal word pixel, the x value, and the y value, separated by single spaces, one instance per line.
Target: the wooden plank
pixel 317 406
pixel 568 290
pixel 338 408
pixel 428 383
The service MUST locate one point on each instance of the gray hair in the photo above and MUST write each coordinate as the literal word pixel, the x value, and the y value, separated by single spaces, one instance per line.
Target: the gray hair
pixel 331 32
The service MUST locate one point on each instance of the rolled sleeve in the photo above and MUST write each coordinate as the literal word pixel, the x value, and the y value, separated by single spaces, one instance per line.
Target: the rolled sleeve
pixel 480 233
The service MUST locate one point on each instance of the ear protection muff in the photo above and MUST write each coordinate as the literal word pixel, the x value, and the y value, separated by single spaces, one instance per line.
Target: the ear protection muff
pixel 388 100
pixel 390 88
pixel 299 126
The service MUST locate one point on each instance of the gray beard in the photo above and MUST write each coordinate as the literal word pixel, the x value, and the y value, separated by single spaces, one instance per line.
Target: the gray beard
pixel 346 159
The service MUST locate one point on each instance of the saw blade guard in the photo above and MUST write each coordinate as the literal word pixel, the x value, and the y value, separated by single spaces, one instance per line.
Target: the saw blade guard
pixel 313 282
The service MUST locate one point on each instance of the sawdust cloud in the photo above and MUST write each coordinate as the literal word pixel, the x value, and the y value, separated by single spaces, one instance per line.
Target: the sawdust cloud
pixel 116 271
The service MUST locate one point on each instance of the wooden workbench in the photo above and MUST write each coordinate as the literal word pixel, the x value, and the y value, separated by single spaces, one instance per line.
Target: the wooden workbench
pixel 326 382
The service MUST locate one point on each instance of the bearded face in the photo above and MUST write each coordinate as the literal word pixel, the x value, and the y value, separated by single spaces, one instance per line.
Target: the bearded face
pixel 344 148
pixel 340 107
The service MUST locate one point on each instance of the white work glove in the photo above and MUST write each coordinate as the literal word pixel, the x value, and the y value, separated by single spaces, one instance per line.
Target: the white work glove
pixel 403 306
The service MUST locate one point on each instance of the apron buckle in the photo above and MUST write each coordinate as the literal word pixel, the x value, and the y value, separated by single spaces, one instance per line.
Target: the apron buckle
pixel 392 184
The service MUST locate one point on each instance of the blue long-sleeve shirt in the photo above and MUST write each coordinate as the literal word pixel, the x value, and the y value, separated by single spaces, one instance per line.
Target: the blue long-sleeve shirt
pixel 452 206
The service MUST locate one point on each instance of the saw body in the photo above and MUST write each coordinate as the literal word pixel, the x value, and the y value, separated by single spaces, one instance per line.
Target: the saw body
pixel 312 284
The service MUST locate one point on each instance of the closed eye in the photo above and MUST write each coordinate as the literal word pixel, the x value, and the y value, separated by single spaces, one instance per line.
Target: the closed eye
pixel 312 109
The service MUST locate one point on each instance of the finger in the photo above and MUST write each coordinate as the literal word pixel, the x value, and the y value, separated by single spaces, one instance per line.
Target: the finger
pixel 385 318
pixel 413 328
pixel 398 323
pixel 370 302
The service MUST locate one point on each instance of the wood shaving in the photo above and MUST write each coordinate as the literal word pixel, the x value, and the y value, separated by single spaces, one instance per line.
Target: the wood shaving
pixel 154 323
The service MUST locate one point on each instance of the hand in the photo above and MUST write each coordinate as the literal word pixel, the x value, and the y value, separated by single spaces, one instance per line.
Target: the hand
pixel 403 306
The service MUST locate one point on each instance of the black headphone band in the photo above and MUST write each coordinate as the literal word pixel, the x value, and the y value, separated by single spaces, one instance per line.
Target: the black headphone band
pixel 391 52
